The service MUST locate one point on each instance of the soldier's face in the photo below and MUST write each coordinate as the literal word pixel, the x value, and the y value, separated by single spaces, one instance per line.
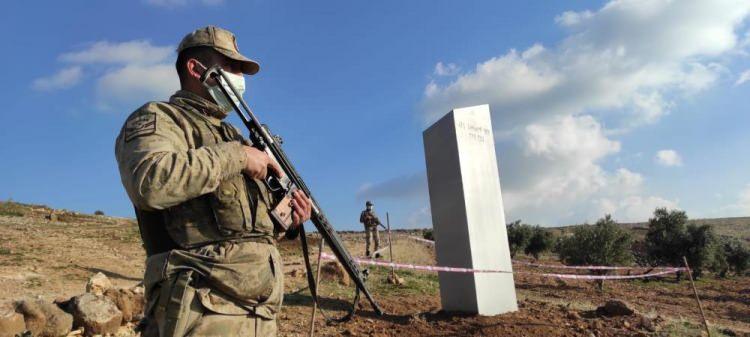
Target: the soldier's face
pixel 196 68
pixel 369 208
pixel 230 65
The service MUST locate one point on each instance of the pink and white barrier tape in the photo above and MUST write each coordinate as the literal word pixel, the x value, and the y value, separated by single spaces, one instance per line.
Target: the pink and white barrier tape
pixel 564 266
pixel 469 270
pixel 421 239
pixel 592 267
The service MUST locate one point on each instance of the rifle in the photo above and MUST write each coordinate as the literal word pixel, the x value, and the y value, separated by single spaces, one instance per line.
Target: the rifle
pixel 282 188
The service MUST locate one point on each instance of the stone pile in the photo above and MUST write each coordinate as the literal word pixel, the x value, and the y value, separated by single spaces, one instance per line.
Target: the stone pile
pixel 334 271
pixel 101 310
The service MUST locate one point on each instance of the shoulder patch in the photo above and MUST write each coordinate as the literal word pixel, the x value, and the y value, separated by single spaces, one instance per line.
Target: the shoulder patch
pixel 141 125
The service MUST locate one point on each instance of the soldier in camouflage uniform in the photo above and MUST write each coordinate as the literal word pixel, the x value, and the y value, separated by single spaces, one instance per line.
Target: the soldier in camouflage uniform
pixel 371 222
pixel 212 268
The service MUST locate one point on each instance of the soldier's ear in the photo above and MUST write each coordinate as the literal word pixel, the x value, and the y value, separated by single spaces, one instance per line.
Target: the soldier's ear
pixel 195 68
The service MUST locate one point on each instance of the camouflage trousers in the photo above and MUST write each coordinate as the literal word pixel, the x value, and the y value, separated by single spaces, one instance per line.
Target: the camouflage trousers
pixel 200 322
pixel 371 234
pixel 222 289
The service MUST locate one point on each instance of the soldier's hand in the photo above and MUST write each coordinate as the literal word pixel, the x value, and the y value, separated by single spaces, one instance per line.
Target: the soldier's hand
pixel 302 206
pixel 258 163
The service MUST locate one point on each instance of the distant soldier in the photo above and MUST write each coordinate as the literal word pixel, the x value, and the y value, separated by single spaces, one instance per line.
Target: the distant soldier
pixel 371 222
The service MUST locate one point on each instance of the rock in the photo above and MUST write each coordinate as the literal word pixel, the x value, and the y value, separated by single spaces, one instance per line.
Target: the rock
pixel 98 283
pixel 393 278
pixel 728 332
pixel 44 319
pixel 626 324
pixel 295 273
pixel 333 271
pixel 647 324
pixel 96 315
pixel 615 308
pixel 51 216
pixel 574 315
pixel 128 302
pixel 11 322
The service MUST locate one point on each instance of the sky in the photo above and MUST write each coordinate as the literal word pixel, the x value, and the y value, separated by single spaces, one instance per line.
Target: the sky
pixel 598 107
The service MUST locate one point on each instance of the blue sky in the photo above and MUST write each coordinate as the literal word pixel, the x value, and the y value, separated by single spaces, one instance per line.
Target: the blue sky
pixel 597 107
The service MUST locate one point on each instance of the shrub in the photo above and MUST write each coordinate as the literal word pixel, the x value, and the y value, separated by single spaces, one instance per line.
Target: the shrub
pixel 736 255
pixel 603 243
pixel 518 236
pixel 669 239
pixel 427 234
pixel 541 240
pixel 98 212
pixel 10 208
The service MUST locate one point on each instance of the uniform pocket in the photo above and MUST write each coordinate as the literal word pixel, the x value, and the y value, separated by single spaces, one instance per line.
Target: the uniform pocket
pixel 230 205
pixel 249 277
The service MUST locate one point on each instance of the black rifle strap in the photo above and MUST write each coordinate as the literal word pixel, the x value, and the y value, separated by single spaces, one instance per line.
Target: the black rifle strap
pixel 311 283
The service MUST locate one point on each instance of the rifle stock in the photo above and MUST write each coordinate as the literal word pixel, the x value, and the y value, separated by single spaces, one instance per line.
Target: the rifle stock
pixel 262 139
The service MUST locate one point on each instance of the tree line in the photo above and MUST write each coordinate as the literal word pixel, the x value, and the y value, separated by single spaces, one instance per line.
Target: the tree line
pixel 669 237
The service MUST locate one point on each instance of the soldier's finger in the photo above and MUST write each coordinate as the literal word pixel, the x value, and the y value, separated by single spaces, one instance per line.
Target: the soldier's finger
pixel 298 198
pixel 295 218
pixel 297 210
pixel 275 168
pixel 262 173
pixel 308 204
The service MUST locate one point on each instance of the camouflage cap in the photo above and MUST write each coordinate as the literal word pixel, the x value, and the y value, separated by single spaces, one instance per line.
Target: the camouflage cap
pixel 222 41
pixel 369 203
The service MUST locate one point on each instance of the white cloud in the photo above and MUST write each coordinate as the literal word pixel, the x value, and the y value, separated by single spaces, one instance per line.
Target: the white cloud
pixel 130 52
pixel 668 158
pixel 624 55
pixel 571 19
pixel 633 208
pixel 449 69
pixel 568 137
pixel 625 65
pixel 129 73
pixel 63 79
pixel 137 83
pixel 744 77
pixel 553 175
pixel 182 3
pixel 741 206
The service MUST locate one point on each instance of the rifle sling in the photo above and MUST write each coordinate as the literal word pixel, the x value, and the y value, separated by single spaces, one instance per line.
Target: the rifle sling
pixel 313 289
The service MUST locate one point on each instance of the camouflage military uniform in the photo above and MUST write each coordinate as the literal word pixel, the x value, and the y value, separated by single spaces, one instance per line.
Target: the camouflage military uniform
pixel 371 222
pixel 212 266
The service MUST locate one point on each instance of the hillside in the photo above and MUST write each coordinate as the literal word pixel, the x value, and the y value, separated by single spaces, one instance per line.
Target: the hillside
pixel 50 254
pixel 737 227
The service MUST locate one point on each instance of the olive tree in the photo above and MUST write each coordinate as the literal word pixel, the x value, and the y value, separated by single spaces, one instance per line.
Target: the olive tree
pixel 518 236
pixel 540 241
pixel 603 243
pixel 669 238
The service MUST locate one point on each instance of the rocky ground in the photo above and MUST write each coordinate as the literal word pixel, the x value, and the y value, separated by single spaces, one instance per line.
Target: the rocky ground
pixel 47 258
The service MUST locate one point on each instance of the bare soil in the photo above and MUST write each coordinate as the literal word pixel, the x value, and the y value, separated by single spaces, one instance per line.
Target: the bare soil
pixel 54 258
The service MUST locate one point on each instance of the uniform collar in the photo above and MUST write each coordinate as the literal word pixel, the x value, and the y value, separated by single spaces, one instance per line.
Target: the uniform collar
pixel 207 108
